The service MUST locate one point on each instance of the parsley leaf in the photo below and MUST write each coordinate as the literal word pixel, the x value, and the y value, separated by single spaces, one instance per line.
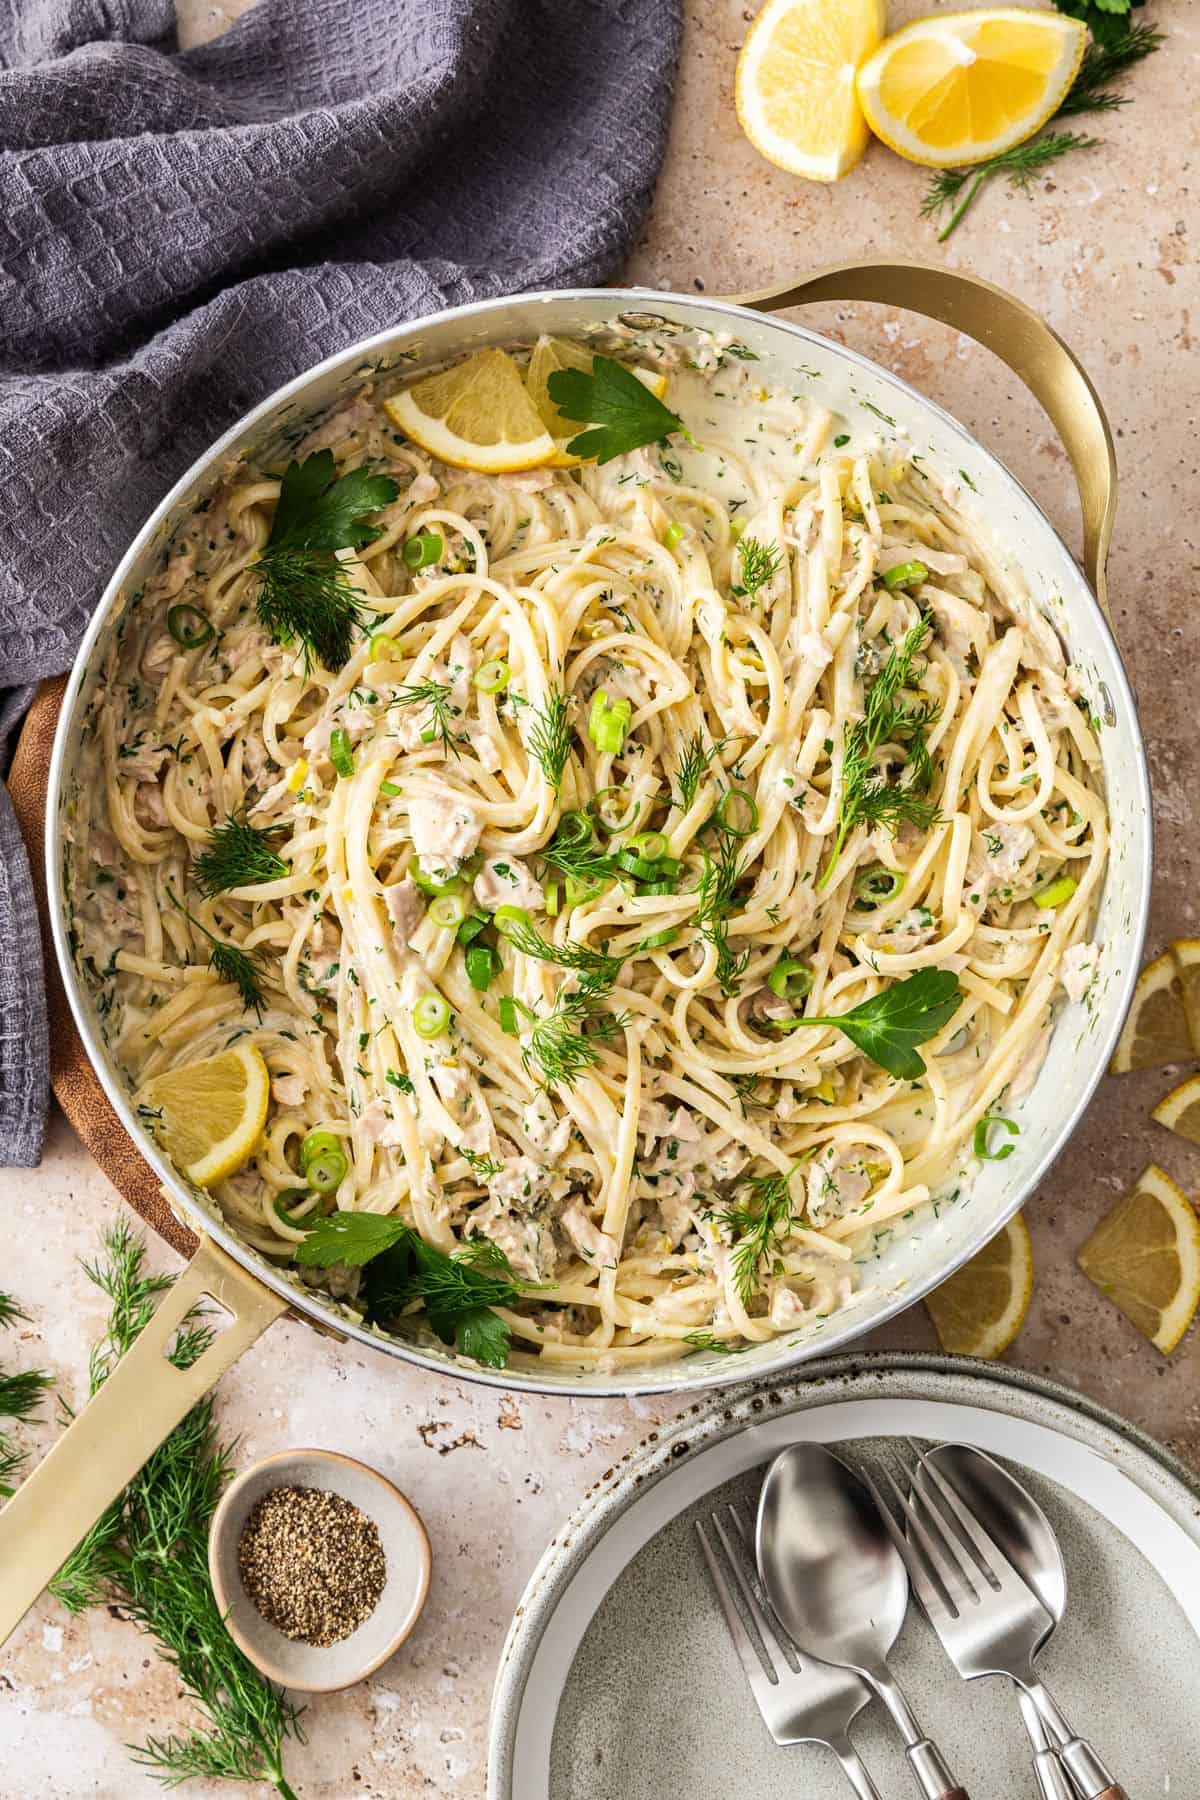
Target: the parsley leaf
pixel 624 414
pixel 481 1334
pixel 305 592
pixel 889 1026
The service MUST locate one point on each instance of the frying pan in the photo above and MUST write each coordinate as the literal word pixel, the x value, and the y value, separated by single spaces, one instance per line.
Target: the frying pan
pixel 146 1395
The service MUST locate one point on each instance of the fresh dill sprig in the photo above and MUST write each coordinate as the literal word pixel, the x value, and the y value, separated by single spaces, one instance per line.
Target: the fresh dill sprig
pixel 760 562
pixel 558 1043
pixel 305 593
pixel 597 969
pixel 238 855
pixel 483 1167
pixel 244 969
pixel 20 1395
pixel 715 900
pixel 581 856
pixel 149 1555
pixel 548 738
pixel 704 1340
pixel 868 798
pixel 1103 62
pixel 752 1226
pixel 694 763
pixel 435 695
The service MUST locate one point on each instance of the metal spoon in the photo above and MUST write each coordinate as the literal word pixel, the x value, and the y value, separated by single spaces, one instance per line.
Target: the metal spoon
pixel 1013 1518
pixel 837 1582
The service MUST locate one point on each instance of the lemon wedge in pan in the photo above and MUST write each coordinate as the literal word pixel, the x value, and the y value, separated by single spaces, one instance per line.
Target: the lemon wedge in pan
pixel 981 1308
pixel 209 1115
pixel 477 415
pixel 1145 1255
pixel 958 87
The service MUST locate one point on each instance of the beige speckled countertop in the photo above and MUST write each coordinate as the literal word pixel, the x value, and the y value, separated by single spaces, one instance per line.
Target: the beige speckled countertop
pixel 1106 250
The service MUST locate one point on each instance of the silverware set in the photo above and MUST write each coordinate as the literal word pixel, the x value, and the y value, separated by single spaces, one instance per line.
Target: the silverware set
pixel 816 1595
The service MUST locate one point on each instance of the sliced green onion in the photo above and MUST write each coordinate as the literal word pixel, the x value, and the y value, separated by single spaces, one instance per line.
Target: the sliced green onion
pixel 448 911
pixel 431 1015
pixel 483 965
pixel 878 885
pixel 326 1173
pixel 790 979
pixel 737 528
pixel 573 831
pixel 189 626
pixel 422 550
pixel 658 940
pixel 550 898
pixel 737 812
pixel 651 846
pixel 490 677
pixel 294 1196
pixel 510 920
pixel 318 1143
pixel 384 648
pixel 471 927
pixel 436 884
pixel 637 865
pixel 580 888
pixel 905 574
pixel 390 789
pixel 608 722
pixel 608 817
pixel 341 751
pixel 672 536
pixel 981 1139
pixel 1058 892
pixel 650 889
pixel 509 1021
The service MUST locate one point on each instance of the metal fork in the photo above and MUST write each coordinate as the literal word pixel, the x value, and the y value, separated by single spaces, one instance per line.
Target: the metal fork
pixel 988 1618
pixel 815 1704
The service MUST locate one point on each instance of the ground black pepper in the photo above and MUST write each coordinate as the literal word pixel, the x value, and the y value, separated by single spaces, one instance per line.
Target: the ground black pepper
pixel 312 1563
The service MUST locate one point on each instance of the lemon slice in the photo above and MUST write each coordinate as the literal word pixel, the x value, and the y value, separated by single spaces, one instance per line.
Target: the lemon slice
pixel 958 87
pixel 549 355
pixel 1145 1255
pixel 1186 952
pixel 476 415
pixel 980 1310
pixel 1180 1110
pixel 1156 1030
pixel 208 1116
pixel 794 89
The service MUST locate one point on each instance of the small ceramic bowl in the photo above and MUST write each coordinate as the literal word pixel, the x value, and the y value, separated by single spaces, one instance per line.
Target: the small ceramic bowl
pixel 286 1660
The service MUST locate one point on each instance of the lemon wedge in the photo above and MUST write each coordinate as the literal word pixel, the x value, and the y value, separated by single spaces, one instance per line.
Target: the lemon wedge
pixel 1180 1110
pixel 980 1310
pixel 477 415
pixel 958 87
pixel 1186 952
pixel 549 355
pixel 794 88
pixel 1145 1255
pixel 209 1115
pixel 1156 1030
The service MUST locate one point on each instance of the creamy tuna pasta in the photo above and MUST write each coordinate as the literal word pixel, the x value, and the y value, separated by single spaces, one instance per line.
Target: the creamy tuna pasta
pixel 543 857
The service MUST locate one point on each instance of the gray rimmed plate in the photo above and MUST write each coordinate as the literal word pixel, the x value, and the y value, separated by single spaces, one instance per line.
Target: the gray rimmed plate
pixel 618 1680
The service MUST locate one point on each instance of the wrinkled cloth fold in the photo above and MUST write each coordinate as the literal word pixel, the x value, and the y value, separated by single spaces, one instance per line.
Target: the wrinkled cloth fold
pixel 183 231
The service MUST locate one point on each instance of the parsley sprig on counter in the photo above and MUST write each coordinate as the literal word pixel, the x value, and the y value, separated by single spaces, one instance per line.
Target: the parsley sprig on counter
pixel 622 411
pixel 305 596
pixel 148 1554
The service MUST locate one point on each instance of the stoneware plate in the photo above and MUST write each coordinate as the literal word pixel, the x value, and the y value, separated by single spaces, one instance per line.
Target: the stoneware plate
pixel 619 1681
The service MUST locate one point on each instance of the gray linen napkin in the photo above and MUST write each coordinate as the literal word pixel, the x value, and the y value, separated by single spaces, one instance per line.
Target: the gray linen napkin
pixel 182 232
